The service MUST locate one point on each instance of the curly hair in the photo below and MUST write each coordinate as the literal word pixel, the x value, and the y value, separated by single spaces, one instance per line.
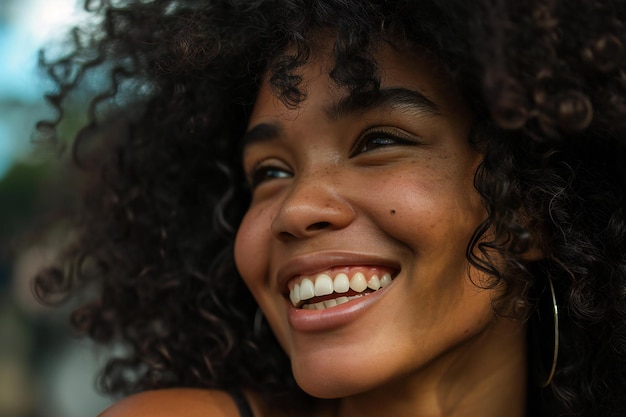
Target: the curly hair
pixel 546 80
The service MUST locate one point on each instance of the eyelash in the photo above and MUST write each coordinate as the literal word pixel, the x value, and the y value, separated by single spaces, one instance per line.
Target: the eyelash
pixel 390 137
pixel 261 171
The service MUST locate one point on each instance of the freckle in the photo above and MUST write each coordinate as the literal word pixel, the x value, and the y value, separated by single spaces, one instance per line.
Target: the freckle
pixel 392 211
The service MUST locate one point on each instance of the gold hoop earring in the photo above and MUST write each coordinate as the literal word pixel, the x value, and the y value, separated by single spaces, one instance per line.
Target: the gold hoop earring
pixel 555 353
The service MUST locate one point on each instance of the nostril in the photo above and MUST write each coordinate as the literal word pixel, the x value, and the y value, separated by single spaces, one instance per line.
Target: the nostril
pixel 317 226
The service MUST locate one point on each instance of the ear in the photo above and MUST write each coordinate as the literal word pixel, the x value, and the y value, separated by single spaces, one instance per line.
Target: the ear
pixel 534 254
pixel 538 247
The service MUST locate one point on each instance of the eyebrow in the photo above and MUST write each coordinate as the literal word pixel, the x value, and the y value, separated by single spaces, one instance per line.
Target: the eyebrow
pixel 402 99
pixel 399 98
pixel 262 132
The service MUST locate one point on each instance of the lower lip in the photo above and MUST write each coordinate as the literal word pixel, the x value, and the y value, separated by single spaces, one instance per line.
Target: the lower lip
pixel 334 317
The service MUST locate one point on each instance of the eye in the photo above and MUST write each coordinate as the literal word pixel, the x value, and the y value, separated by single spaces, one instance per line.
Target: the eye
pixel 380 138
pixel 267 171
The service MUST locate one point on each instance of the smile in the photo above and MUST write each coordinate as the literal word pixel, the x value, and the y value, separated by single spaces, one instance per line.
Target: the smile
pixel 336 286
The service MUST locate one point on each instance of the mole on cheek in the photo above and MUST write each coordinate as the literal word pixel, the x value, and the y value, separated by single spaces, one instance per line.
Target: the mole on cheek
pixel 392 211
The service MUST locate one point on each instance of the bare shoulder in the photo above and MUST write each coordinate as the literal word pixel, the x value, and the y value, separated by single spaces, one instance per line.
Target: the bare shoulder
pixel 178 402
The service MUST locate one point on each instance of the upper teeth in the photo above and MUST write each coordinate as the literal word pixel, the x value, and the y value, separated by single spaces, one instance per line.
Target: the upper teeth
pixel 324 284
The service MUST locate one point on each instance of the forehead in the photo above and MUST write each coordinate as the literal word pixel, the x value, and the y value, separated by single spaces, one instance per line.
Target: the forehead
pixel 415 73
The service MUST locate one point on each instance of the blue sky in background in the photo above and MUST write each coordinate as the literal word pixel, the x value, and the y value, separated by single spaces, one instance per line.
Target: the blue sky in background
pixel 26 26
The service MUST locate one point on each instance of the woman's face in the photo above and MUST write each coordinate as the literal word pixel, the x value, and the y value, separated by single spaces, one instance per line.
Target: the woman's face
pixel 354 243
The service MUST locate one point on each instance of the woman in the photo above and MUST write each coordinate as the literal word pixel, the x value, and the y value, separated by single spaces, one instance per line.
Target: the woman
pixel 340 208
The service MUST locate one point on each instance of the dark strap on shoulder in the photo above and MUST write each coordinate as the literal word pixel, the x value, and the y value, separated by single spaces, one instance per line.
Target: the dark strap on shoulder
pixel 242 403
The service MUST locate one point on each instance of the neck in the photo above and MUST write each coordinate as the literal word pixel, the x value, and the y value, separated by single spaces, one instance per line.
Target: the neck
pixel 483 377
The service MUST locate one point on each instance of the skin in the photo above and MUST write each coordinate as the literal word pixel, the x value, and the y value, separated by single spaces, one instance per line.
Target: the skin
pixel 328 181
pixel 185 402
pixel 390 184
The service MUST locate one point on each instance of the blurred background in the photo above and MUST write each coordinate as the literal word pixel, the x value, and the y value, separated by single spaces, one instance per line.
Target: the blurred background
pixel 45 371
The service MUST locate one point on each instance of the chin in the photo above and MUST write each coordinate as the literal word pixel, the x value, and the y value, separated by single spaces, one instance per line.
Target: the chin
pixel 330 379
pixel 330 387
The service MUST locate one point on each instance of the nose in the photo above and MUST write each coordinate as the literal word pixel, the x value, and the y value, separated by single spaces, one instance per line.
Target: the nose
pixel 314 204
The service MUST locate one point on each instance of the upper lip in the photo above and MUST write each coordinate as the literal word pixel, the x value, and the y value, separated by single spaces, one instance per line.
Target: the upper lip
pixel 315 262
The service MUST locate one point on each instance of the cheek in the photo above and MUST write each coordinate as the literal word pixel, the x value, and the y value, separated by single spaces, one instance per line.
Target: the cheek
pixel 409 207
pixel 252 247
pixel 434 219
